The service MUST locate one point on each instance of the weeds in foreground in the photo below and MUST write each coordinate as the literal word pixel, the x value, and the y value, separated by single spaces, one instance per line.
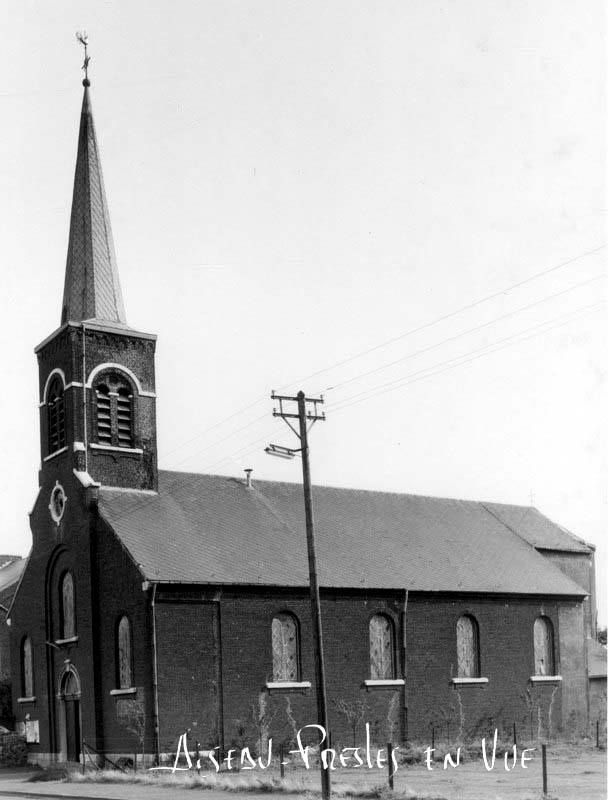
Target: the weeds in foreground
pixel 235 784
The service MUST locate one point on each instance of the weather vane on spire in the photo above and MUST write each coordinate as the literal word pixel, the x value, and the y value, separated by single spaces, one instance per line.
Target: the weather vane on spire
pixel 83 38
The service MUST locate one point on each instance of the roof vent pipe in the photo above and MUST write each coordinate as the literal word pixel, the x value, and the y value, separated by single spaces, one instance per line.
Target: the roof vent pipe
pixel 248 483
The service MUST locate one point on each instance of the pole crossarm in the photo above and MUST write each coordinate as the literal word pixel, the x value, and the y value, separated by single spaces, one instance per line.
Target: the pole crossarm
pixel 311 416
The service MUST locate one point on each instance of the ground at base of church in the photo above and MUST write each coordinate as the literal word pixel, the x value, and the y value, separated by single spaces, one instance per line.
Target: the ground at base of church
pixel 572 775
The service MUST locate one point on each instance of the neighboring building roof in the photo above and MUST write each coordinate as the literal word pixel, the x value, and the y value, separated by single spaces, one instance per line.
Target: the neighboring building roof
pixel 213 529
pixel 596 659
pixel 92 288
pixel 6 559
pixel 540 531
pixel 11 568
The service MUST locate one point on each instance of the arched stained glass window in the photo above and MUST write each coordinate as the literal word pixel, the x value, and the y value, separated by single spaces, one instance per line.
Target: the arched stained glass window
pixel 467 645
pixel 55 416
pixel 381 648
pixel 285 648
pixel 123 652
pixel 543 647
pixel 27 668
pixel 68 613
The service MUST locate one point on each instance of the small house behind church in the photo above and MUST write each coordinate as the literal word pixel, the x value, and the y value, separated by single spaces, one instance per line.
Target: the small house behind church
pixel 155 602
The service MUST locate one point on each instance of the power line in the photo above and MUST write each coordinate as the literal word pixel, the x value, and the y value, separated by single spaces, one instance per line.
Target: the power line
pixel 465 358
pixel 223 439
pixel 426 325
pixel 346 403
pixel 450 314
pixel 435 368
pixel 464 333
pixel 406 380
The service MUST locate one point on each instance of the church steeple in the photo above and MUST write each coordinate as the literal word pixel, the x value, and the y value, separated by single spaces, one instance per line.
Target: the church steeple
pixel 97 392
pixel 92 287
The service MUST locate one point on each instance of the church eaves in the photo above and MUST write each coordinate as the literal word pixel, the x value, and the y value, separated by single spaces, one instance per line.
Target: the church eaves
pixel 92 287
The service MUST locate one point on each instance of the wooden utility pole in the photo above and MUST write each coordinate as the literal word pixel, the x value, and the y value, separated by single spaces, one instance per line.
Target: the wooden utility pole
pixel 306 417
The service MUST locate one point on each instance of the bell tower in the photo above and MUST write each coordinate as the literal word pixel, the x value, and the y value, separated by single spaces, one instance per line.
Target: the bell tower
pixel 97 385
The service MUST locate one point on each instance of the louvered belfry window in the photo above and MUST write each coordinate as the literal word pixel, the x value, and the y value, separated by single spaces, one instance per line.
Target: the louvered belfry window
pixel 104 415
pixel 123 417
pixel 381 649
pixel 543 647
pixel 467 645
pixel 285 656
pixel 114 400
pixel 55 416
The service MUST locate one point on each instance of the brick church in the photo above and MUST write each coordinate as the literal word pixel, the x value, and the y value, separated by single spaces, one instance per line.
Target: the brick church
pixel 155 602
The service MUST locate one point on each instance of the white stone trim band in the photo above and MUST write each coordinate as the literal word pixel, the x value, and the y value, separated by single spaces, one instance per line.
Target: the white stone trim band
pixel 288 684
pixel 114 449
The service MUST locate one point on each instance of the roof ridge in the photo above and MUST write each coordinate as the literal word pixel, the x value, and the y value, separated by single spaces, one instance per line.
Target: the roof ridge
pixel 343 488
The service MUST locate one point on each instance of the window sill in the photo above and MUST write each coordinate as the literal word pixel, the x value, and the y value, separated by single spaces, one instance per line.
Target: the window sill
pixel 119 692
pixel 287 686
pixel 545 678
pixel 383 683
pixel 469 681
pixel 136 451
pixel 69 640
pixel 26 699
pixel 56 453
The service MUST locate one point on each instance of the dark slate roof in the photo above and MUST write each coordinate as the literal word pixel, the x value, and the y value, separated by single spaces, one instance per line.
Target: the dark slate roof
pixel 91 289
pixel 10 571
pixel 537 529
pixel 213 529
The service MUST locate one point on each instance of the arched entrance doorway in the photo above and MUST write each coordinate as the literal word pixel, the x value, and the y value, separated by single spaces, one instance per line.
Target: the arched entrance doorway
pixel 69 716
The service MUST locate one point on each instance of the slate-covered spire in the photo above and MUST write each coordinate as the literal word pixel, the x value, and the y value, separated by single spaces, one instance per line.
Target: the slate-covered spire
pixel 92 287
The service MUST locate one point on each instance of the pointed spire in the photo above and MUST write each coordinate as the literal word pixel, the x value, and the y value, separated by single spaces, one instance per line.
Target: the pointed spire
pixel 92 288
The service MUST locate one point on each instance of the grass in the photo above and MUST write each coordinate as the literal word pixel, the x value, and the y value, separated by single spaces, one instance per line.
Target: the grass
pixel 238 784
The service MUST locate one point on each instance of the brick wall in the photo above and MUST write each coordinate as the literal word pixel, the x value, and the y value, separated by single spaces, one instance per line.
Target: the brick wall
pixel 64 351
pixel 120 593
pixel 188 682
pixel 56 548
pixel 579 567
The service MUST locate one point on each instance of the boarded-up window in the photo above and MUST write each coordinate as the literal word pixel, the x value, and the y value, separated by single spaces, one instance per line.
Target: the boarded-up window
pixel 68 615
pixel 381 650
pixel 27 668
pixel 123 652
pixel 285 657
pixel 543 647
pixel 467 645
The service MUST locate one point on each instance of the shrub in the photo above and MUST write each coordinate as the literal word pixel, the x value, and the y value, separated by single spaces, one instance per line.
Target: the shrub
pixel 13 751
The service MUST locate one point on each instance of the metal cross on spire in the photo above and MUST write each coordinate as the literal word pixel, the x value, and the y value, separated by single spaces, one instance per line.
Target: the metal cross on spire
pixel 83 38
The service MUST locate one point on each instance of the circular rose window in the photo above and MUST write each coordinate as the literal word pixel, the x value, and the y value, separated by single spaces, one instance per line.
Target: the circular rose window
pixel 57 504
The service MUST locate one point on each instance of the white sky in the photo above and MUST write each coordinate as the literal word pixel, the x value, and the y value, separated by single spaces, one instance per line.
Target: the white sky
pixel 292 183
